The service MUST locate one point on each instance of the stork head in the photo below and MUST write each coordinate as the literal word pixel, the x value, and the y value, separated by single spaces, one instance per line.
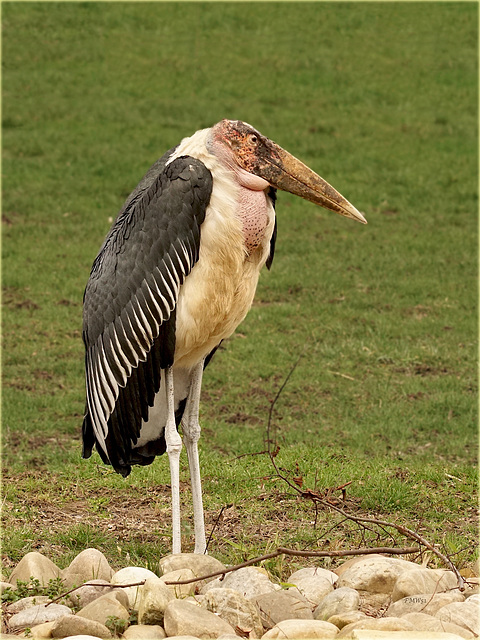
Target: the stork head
pixel 245 149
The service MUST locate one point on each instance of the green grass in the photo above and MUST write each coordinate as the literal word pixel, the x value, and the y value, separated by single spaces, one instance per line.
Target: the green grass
pixel 381 100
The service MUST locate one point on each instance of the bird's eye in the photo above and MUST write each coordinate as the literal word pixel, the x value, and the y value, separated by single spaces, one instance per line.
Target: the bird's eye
pixel 253 138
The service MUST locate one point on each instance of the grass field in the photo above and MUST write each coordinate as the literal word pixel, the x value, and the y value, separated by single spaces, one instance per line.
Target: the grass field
pixel 381 100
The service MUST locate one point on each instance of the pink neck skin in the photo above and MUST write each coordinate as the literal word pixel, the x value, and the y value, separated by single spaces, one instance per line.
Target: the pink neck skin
pixel 252 204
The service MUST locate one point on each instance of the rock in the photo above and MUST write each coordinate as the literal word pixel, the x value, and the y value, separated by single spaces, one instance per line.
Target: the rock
pixel 424 622
pixel 339 571
pixel 301 629
pixel 131 575
pixel 26 603
pixel 154 597
pixel 34 565
pixel 280 605
pixel 120 595
pixel 465 614
pixel 423 603
pixel 367 634
pixel 86 594
pixel 339 601
pixel 90 564
pixel 379 624
pixel 312 572
pixel 185 618
pixel 197 599
pixel 249 581
pixel 103 608
pixel 373 574
pixel 183 638
pixel 4 586
pixel 201 565
pixel 472 587
pixel 82 637
pixel 37 615
pixel 423 581
pixel 294 591
pixel 314 583
pixel 43 631
pixel 341 620
pixel 180 590
pixel 144 632
pixel 240 613
pixel 76 625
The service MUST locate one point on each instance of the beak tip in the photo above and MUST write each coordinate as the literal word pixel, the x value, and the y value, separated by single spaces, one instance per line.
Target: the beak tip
pixel 356 215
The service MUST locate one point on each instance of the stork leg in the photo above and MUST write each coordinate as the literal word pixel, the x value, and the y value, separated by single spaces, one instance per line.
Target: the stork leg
pixel 191 436
pixel 174 447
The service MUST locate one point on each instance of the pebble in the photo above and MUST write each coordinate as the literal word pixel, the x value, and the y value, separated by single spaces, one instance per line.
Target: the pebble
pixel 34 565
pixel 42 631
pixel 423 603
pixel 4 586
pixel 281 605
pixel 368 634
pixel 82 637
pixel 341 620
pixel 104 607
pixel 185 618
pixel 399 597
pixel 314 583
pixel 239 612
pixel 464 614
pixel 154 599
pixel 423 581
pixel 86 594
pixel 90 564
pixel 378 624
pixel 201 565
pixel 76 625
pixel 37 614
pixel 180 590
pixel 376 558
pixel 144 632
pixel 373 574
pixel 301 629
pixel 424 622
pixel 341 600
pixel 25 603
pixel 249 581
pixel 131 575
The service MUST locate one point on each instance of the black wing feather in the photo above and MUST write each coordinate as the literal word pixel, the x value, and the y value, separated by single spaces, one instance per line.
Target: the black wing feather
pixel 272 194
pixel 130 301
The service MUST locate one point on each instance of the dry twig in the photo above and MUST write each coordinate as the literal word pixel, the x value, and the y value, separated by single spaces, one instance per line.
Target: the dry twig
pixel 318 499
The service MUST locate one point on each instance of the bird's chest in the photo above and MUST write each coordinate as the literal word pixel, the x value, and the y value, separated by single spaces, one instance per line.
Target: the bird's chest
pixel 255 213
pixel 218 293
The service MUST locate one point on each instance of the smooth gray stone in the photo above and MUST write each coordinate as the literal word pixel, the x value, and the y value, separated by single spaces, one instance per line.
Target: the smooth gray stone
pixel 280 605
pixel 37 615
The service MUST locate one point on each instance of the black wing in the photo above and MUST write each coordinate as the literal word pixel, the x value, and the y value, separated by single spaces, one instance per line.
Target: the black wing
pixel 272 194
pixel 130 301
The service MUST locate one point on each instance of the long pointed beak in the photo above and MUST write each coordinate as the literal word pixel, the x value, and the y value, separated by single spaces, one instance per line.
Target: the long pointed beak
pixel 284 171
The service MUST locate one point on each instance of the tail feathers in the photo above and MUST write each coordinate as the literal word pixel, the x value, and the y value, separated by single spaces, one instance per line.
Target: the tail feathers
pixel 122 464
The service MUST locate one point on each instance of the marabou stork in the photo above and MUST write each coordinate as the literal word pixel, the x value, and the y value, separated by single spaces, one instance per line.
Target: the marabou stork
pixel 175 276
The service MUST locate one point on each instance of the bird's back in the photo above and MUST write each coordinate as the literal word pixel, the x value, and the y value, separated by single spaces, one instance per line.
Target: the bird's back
pixel 130 303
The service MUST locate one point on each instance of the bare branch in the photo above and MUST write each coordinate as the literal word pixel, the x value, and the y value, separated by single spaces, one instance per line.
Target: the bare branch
pixel 304 554
pixel 318 499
